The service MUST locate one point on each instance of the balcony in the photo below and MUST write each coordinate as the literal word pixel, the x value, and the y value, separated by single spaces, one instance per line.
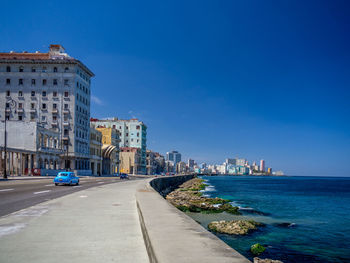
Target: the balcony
pixel 65 123
pixel 54 123
pixel 20 110
pixel 66 111
pixel 55 111
pixel 50 150
pixel 32 110
pixel 8 110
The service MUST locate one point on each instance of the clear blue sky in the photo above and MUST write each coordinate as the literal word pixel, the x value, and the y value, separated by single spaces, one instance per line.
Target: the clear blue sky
pixel 211 79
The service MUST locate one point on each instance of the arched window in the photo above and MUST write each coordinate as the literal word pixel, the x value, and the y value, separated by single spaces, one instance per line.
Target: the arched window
pixel 8 69
pixel 54 69
pixel 66 69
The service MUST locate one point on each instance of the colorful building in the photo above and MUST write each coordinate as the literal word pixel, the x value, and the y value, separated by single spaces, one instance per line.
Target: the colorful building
pixel 110 150
pixel 133 133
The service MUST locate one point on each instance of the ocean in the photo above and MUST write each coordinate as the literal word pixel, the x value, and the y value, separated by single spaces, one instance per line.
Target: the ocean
pixel 307 218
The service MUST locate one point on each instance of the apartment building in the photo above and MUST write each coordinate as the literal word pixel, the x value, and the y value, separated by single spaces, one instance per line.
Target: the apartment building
pixel 52 89
pixel 133 134
pixel 95 151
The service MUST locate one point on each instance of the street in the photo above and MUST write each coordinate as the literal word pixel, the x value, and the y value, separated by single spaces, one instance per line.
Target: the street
pixel 22 193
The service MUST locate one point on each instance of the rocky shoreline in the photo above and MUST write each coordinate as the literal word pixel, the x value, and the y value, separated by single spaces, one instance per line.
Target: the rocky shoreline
pixel 234 227
pixel 189 198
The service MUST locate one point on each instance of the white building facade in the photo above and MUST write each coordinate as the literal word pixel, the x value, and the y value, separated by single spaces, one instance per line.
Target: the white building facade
pixel 31 149
pixel 52 89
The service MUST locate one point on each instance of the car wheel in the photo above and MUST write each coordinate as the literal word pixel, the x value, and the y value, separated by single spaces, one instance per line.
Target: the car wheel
pixel 70 183
pixel 56 184
pixel 77 183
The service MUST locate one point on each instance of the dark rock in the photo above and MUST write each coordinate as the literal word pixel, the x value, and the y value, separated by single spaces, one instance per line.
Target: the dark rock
pixel 257 249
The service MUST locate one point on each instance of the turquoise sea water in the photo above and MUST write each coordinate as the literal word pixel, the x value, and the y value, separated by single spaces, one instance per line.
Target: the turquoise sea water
pixel 307 218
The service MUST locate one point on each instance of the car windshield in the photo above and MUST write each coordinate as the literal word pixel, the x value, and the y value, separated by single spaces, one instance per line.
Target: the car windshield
pixel 63 175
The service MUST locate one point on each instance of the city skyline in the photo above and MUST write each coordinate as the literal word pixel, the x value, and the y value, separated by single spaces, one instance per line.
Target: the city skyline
pixel 264 80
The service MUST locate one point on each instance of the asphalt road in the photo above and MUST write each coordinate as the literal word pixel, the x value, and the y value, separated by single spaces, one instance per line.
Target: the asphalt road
pixel 19 194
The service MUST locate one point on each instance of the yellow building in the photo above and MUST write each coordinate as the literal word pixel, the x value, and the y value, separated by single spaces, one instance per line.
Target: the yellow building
pixel 110 150
pixel 130 160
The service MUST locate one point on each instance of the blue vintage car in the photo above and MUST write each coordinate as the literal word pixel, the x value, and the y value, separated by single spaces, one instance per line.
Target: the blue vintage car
pixel 66 178
pixel 124 176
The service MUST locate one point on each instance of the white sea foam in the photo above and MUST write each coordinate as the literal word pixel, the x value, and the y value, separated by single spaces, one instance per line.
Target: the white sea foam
pixel 209 188
pixel 245 208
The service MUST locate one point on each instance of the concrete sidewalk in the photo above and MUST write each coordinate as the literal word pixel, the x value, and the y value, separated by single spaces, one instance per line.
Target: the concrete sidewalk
pixel 99 224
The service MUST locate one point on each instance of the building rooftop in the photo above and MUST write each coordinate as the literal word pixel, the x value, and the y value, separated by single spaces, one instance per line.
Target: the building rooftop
pixel 56 54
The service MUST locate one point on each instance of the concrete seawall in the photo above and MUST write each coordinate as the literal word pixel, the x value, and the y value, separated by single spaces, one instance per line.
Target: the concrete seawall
pixel 165 185
pixel 170 235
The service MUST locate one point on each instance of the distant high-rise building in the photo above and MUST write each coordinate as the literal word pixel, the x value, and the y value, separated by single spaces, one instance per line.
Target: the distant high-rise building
pixel 262 165
pixel 190 163
pixel 230 161
pixel 173 156
pixel 240 162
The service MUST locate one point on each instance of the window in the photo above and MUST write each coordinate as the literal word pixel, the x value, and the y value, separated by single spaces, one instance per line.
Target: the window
pixel 33 81
pixel 33 93
pixel 32 116
pixel 20 117
pixel 54 69
pixel 66 94
pixel 113 126
pixel 138 127
pixel 43 106
pixel 127 134
pixel 66 82
pixel 54 93
pixel 20 105
pixel 44 82
pixel 20 69
pixel 43 93
pixel 54 106
pixel 138 134
pixel 66 132
pixel 8 81
pixel 20 93
pixel 55 82
pixel 20 82
pixel 32 106
pixel 54 118
pixel 65 117
pixel 33 69
pixel 43 118
pixel 8 69
pixel 8 93
pixel 66 69
pixel 44 69
pixel 66 106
